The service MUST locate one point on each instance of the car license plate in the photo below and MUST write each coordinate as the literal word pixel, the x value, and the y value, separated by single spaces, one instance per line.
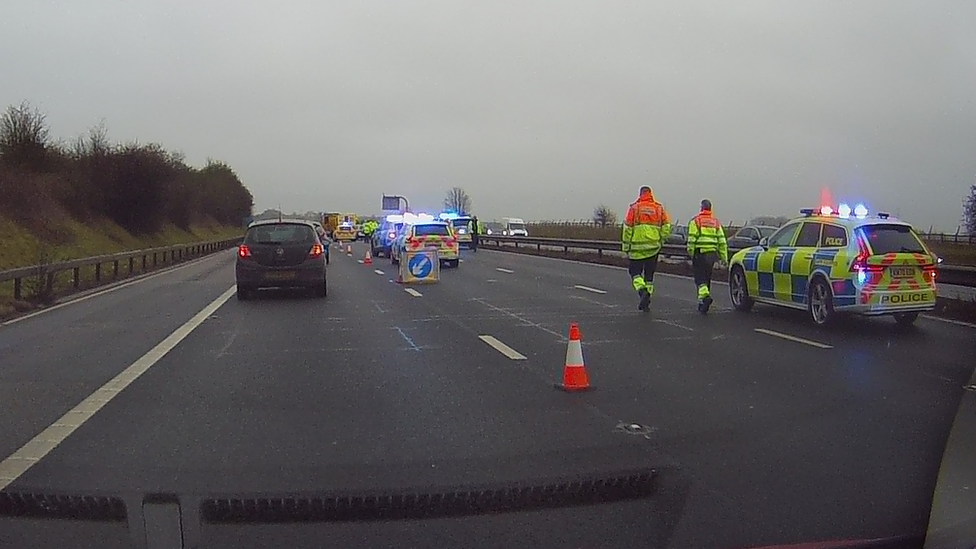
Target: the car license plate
pixel 280 275
pixel 902 272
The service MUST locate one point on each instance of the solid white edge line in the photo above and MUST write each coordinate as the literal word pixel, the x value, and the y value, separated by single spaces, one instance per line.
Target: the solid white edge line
pixel 111 288
pixel 502 348
pixel 720 282
pixel 501 270
pixel 20 461
pixel 794 338
pixel 950 321
pixel 588 289
pixel 379 272
pixel 413 292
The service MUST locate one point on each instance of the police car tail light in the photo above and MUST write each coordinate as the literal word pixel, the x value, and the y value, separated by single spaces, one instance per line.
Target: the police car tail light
pixel 243 251
pixel 392 234
pixel 928 273
pixel 315 251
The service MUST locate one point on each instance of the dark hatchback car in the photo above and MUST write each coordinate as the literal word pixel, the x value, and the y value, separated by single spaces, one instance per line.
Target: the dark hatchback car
pixel 281 254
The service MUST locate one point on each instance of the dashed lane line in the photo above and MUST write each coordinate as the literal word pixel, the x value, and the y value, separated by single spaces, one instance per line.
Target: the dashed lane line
pixel 588 289
pixel 502 348
pixel 794 338
pixel 413 292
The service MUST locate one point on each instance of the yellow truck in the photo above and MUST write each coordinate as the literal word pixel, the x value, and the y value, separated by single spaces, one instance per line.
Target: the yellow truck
pixel 342 227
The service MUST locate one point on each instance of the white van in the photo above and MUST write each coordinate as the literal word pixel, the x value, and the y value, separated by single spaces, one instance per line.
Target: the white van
pixel 513 226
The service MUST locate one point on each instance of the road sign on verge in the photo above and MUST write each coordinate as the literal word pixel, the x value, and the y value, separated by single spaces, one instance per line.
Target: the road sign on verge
pixel 421 266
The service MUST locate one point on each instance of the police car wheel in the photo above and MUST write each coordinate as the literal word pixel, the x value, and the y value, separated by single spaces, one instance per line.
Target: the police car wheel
pixel 739 291
pixel 820 303
pixel 906 319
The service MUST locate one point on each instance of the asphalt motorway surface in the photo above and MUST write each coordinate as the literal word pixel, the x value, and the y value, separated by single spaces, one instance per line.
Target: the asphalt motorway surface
pixel 784 433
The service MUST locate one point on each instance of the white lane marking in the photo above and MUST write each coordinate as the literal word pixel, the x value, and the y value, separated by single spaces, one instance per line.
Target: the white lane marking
pixel 359 261
pixel 588 289
pixel 794 338
pixel 491 280
pixel 461 260
pixel 501 270
pixel 686 277
pixel 379 272
pixel 413 292
pixel 673 323
pixel 950 321
pixel 502 348
pixel 20 461
pixel 111 288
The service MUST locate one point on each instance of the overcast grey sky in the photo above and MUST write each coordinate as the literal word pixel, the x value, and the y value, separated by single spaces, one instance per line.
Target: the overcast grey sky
pixel 540 109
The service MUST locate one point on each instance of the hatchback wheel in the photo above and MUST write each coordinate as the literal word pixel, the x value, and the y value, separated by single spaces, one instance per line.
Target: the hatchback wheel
pixel 243 294
pixel 820 303
pixel 739 290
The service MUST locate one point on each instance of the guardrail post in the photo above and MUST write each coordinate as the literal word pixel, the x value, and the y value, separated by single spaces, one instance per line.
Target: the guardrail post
pixel 98 272
pixel 154 259
pixel 115 269
pixel 17 288
pixel 77 276
pixel 144 263
pixel 565 250
pixel 599 252
pixel 132 265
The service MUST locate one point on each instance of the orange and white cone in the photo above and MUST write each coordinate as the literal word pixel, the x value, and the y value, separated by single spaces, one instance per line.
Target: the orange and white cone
pixel 575 378
pixel 368 258
pixel 348 249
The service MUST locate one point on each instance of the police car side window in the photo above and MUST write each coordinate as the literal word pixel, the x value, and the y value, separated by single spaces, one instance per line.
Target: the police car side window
pixel 833 237
pixel 784 236
pixel 809 235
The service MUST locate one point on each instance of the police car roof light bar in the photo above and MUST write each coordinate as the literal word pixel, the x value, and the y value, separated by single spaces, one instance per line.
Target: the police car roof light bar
pixel 807 211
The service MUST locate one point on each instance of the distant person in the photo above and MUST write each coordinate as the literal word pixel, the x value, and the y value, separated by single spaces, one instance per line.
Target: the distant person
pixel 646 227
pixel 706 246
pixel 475 233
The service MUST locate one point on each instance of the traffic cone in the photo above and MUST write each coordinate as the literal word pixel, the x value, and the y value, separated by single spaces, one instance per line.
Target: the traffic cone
pixel 348 249
pixel 368 259
pixel 575 378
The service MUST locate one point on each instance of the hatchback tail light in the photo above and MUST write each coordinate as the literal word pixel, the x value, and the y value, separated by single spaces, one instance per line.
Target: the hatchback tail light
pixel 316 250
pixel 243 251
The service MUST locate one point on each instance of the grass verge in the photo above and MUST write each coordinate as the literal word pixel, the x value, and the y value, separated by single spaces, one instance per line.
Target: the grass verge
pixel 65 239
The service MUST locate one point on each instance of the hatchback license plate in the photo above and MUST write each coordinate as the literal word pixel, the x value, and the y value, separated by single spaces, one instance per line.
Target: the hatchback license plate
pixel 280 275
pixel 902 272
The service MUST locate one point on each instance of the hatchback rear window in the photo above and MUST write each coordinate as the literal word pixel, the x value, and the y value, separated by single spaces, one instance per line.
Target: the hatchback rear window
pixel 431 230
pixel 285 233
pixel 886 239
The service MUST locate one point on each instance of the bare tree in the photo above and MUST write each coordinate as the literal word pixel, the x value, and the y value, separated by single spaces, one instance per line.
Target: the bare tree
pixel 969 211
pixel 603 216
pixel 23 136
pixel 457 200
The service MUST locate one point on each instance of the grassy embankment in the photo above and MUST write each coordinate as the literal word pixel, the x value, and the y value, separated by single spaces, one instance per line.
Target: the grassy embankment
pixel 66 238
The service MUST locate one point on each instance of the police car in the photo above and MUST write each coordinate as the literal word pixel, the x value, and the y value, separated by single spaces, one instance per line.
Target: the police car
pixel 838 261
pixel 422 231
pixel 345 232
pixel 385 235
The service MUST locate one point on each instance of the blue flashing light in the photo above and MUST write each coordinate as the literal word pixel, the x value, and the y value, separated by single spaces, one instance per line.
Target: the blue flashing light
pixel 394 218
pixel 448 215
pixel 862 277
pixel 860 211
pixel 844 211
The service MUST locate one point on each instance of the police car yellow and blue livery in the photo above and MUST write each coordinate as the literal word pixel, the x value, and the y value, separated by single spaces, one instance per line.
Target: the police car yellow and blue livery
pixel 843 260
pixel 421 231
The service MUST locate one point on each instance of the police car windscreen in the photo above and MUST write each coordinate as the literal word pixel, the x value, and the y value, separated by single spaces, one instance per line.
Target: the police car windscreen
pixel 431 230
pixel 460 222
pixel 886 239
pixel 280 234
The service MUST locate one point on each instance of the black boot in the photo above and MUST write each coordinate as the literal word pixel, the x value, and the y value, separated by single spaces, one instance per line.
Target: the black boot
pixel 645 299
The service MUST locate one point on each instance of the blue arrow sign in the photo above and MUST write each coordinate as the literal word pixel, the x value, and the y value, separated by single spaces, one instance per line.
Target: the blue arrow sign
pixel 420 266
